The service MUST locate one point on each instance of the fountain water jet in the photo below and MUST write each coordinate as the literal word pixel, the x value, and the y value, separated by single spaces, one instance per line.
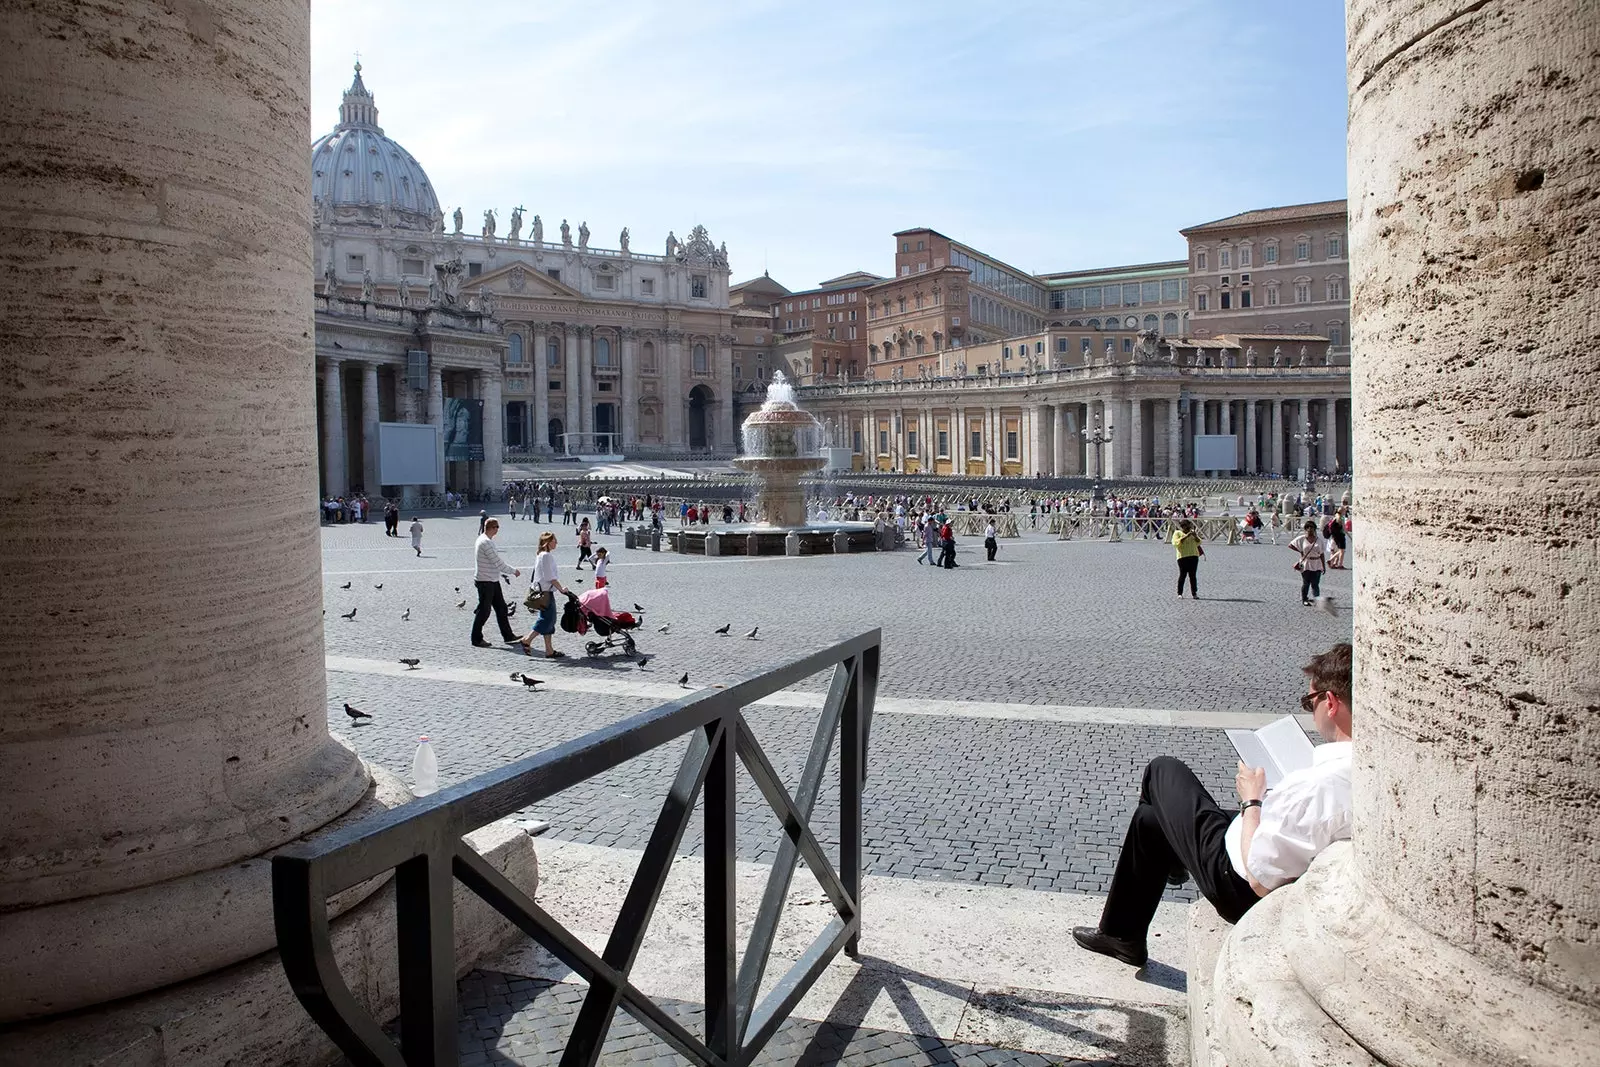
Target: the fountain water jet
pixel 781 444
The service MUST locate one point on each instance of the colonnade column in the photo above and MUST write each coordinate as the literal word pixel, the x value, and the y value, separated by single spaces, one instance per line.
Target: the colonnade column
pixel 1301 424
pixel 492 471
pixel 1058 439
pixel 436 418
pixel 369 429
pixel 1250 464
pixel 1330 434
pixel 334 469
pixel 958 441
pixel 585 383
pixel 1036 442
pixel 725 427
pixel 1135 459
pixel 1174 437
pixel 573 418
pixel 1275 424
pixel 626 401
pixel 541 386
pixel 672 391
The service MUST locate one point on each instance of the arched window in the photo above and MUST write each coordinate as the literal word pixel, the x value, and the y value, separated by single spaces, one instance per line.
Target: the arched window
pixel 1169 324
pixel 602 352
pixel 1151 322
pixel 1094 324
pixel 514 353
pixel 647 355
pixel 701 365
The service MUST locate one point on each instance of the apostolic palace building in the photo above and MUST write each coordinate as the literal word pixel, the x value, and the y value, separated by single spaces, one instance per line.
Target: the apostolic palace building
pixel 954 363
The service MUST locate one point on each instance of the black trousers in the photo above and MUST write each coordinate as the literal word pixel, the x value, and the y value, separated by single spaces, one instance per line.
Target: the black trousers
pixel 1310 584
pixel 1176 824
pixel 947 554
pixel 490 598
pixel 1189 567
pixel 989 546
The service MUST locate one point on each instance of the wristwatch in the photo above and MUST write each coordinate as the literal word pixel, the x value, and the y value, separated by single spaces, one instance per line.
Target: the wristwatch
pixel 1250 804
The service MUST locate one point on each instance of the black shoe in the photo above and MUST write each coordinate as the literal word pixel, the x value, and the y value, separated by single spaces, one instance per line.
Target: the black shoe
pixel 481 643
pixel 1177 876
pixel 1130 952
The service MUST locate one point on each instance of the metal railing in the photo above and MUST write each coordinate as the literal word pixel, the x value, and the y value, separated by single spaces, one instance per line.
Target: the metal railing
pixel 421 843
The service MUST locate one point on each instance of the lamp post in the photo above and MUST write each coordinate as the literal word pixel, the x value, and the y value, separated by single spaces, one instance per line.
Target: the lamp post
pixel 1311 438
pixel 1097 438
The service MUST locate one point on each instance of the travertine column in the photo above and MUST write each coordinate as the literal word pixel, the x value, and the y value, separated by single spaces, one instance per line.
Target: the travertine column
pixel 1330 435
pixel 572 416
pixel 436 416
pixel 627 387
pixel 159 733
pixel 1275 422
pixel 1249 436
pixel 1060 441
pixel 369 429
pixel 333 429
pixel 1463 926
pixel 1135 461
pixel 958 442
pixel 1174 437
pixel 1302 426
pixel 583 384
pixel 674 393
pixel 724 369
pixel 541 386
pixel 492 471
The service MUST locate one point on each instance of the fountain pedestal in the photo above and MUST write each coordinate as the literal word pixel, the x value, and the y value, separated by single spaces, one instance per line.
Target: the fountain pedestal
pixel 779 499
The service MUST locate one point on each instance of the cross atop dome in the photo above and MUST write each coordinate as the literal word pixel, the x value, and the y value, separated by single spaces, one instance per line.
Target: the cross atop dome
pixel 358 108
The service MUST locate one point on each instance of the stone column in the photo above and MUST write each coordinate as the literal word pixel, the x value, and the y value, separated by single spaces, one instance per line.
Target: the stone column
pixel 405 397
pixel 1250 465
pixel 725 428
pixel 436 416
pixel 541 387
pixel 572 419
pixel 1301 424
pixel 1058 439
pixel 627 386
pixel 1174 437
pixel 333 429
pixel 1330 435
pixel 1459 925
pixel 1135 460
pixel 369 430
pixel 492 471
pixel 958 442
pixel 584 382
pixel 155 745
pixel 673 393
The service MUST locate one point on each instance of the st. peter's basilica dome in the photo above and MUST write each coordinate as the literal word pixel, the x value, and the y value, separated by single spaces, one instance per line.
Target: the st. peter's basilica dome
pixel 359 174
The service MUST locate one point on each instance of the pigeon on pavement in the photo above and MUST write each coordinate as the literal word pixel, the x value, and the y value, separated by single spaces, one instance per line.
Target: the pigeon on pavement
pixel 751 636
pixel 643 659
pixel 349 616
pixel 411 664
pixel 378 586
pixel 723 629
pixel 346 585
pixel 356 714
pixel 663 628
pixel 639 608
pixel 406 615
pixel 461 605
pixel 684 681
pixel 530 681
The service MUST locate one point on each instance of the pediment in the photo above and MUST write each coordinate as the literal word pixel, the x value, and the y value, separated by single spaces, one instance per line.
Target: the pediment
pixel 521 280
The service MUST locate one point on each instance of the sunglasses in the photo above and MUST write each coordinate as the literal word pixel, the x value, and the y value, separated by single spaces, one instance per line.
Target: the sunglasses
pixel 1308 703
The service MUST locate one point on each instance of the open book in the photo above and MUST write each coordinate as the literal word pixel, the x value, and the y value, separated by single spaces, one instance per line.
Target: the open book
pixel 1280 746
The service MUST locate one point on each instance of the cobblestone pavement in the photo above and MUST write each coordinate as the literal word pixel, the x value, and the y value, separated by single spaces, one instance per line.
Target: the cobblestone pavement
pixel 1076 622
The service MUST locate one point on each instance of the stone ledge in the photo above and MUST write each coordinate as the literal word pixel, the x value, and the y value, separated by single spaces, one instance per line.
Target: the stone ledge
pixel 247 1014
pixel 1207 932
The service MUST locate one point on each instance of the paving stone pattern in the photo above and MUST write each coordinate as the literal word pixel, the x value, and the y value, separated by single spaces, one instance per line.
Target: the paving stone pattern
pixel 1078 622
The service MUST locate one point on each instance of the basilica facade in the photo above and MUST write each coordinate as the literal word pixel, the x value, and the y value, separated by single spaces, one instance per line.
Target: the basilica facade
pixel 569 347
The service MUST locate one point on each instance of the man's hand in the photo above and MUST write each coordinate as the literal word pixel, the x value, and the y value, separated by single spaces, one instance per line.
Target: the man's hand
pixel 1251 782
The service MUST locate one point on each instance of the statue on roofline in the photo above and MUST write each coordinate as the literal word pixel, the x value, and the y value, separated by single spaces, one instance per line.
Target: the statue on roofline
pixel 515 232
pixel 538 230
pixel 566 234
pixel 458 220
pixel 583 236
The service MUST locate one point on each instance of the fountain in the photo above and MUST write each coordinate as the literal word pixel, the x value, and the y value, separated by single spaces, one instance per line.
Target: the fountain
pixel 782 444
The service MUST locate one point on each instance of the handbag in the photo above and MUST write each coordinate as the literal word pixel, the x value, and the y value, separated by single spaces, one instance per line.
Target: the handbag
pixel 538 599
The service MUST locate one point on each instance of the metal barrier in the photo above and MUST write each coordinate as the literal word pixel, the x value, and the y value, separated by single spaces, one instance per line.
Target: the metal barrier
pixel 421 843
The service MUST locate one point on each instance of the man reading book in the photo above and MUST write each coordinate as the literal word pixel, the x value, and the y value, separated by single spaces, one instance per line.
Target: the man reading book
pixel 1178 830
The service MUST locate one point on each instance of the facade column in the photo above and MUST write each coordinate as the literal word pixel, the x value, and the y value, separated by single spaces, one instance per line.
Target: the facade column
pixel 1330 435
pixel 1136 437
pixel 1174 437
pixel 726 431
pixel 585 383
pixel 541 387
pixel 673 393
pixel 1060 441
pixel 1302 423
pixel 436 417
pixel 153 753
pixel 1458 924
pixel 369 429
pixel 490 388
pixel 1250 464
pixel 333 437
pixel 405 397
pixel 627 386
pixel 958 443
pixel 572 418
pixel 1275 427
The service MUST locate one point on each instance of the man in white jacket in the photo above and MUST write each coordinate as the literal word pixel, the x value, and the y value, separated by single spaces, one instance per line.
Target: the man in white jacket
pixel 490 569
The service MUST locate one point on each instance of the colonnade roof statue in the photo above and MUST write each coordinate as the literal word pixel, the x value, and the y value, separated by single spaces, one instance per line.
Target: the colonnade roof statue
pixel 358 173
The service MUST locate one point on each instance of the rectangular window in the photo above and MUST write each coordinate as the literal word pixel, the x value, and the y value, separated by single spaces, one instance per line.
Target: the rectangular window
pixel 955 320
pixel 554 272
pixel 1150 293
pixel 855 441
pixel 647 286
pixel 1083 345
pixel 1200 261
pixel 1302 292
pixel 555 386
pixel 852 333
pixel 1333 248
pixel 883 442
pixel 355 264
pixel 911 442
pixel 905 268
pixel 605 281
pixel 1227 301
pixel 1011 443
pixel 1169 291
pixel 1200 302
pixel 1246 254
pixel 1302 250
pixel 411 267
pixel 1091 298
pixel 1061 344
pixel 1244 299
pixel 1335 335
pixel 474 269
pixel 976 451
pixel 605 387
pixel 552 353
pixel 852 316
pixel 944 444
pixel 1225 257
pixel 1272 296
pixel 1074 299
pixel 697 286
pixel 1058 300
pixel 1271 254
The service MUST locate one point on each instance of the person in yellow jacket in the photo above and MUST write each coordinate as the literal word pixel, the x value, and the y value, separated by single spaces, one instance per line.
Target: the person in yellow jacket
pixel 1187 543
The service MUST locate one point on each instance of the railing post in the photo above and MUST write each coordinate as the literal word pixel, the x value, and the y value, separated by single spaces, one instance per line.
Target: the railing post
pixel 721 906
pixel 426 939
pixel 851 772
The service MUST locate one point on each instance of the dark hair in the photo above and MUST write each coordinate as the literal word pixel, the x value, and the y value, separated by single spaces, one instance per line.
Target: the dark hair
pixel 1331 671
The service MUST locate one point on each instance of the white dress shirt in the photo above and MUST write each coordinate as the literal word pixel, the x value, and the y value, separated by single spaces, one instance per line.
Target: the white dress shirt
pixel 490 566
pixel 1304 814
pixel 544 571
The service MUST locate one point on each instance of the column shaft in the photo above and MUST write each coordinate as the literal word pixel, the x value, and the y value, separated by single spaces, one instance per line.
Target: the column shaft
pixel 674 392
pixel 627 388
pixel 492 470
pixel 369 430
pixel 724 369
pixel 1174 438
pixel 541 387
pixel 1135 459
pixel 333 438
pixel 1330 436
pixel 1250 466
pixel 573 419
pixel 436 417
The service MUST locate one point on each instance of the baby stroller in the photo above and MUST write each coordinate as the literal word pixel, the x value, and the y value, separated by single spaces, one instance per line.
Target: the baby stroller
pixel 592 611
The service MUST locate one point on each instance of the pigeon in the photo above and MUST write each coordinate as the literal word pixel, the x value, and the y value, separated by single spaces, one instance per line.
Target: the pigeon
pixel 723 629
pixel 346 585
pixel 684 681
pixel 461 605
pixel 378 586
pixel 458 589
pixel 643 659
pixel 406 615
pixel 411 664
pixel 639 608
pixel 356 713
pixel 349 616
pixel 751 636
pixel 530 681
pixel 663 628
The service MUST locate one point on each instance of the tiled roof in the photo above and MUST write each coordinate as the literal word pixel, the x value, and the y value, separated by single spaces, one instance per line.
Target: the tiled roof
pixel 1266 216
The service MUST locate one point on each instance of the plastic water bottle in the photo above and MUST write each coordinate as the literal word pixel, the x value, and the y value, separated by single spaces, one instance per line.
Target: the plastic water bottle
pixel 424 769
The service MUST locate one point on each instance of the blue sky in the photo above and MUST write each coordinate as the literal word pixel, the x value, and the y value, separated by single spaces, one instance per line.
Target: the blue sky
pixel 1054 135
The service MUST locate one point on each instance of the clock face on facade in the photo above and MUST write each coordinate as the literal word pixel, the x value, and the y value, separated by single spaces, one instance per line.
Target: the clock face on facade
pixel 1131 321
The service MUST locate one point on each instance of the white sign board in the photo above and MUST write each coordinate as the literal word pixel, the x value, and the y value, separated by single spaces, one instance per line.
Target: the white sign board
pixel 1216 452
pixel 409 454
